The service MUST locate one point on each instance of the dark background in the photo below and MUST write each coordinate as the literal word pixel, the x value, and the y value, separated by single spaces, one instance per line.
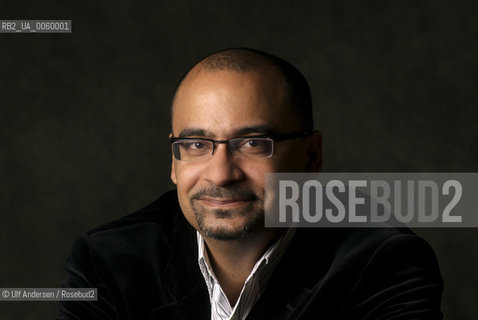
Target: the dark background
pixel 84 117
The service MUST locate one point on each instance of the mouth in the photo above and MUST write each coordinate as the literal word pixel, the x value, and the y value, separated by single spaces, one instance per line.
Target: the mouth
pixel 224 203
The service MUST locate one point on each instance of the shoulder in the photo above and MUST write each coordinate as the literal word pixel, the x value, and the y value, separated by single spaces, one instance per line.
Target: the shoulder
pixel 356 273
pixel 353 273
pixel 363 252
pixel 400 275
pixel 130 261
pixel 357 244
pixel 141 239
pixel 386 268
pixel 370 242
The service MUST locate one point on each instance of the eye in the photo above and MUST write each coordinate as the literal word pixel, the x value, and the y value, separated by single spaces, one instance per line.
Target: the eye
pixel 199 145
pixel 253 143
pixel 255 146
pixel 195 145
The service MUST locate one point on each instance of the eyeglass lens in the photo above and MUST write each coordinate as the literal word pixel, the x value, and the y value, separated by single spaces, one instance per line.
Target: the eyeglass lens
pixel 199 149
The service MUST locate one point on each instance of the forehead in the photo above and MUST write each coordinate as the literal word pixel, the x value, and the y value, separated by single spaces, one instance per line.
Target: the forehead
pixel 223 102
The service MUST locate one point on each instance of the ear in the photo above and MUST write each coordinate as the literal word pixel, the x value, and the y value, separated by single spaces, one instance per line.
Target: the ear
pixel 314 152
pixel 173 171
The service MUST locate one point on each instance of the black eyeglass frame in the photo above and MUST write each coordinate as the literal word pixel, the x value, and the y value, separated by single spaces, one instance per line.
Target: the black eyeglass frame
pixel 277 137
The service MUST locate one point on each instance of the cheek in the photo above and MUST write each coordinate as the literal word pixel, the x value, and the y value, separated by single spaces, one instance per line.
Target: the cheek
pixel 186 178
pixel 256 173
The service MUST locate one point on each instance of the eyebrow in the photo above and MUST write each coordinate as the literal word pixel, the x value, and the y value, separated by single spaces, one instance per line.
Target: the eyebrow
pixel 261 129
pixel 188 132
pixel 266 130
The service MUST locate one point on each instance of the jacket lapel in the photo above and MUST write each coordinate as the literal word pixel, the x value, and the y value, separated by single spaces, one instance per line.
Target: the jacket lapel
pixel 298 276
pixel 188 296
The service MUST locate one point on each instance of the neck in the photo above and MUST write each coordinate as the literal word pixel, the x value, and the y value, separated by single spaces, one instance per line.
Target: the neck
pixel 233 260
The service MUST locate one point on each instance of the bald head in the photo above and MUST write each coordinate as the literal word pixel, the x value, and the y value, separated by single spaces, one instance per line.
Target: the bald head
pixel 244 60
pixel 240 60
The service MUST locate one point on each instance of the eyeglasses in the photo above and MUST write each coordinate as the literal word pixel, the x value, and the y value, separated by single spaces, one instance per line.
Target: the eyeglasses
pixel 250 147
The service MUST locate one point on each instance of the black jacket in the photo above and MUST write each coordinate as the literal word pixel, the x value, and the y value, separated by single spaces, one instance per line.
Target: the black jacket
pixel 145 267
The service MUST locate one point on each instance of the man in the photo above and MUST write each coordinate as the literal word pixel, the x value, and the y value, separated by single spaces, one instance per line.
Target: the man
pixel 203 252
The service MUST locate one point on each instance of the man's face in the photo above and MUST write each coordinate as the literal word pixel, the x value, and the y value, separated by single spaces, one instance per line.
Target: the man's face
pixel 223 196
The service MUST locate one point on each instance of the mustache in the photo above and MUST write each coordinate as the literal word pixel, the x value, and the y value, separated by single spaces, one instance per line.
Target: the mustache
pixel 223 193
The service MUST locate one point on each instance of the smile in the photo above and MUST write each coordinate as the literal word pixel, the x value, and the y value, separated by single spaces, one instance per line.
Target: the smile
pixel 224 203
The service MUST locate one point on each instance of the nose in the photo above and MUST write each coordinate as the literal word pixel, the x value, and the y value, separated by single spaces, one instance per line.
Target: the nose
pixel 223 169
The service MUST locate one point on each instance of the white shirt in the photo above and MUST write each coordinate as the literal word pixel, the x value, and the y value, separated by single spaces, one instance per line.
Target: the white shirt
pixel 253 286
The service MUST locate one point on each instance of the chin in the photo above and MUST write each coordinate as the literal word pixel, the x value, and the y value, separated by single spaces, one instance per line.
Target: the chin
pixel 224 234
pixel 227 229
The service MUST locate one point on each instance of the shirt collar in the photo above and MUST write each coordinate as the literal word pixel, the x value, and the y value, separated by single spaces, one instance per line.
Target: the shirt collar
pixel 270 257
